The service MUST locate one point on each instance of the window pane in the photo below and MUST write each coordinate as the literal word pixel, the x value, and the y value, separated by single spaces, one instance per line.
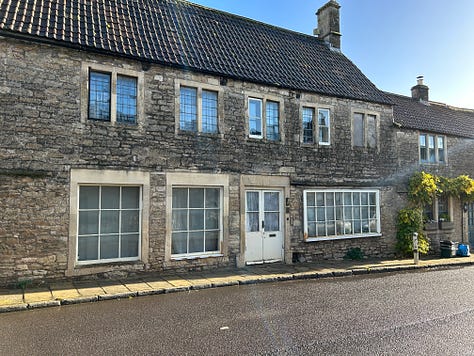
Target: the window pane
pixel 209 111
pixel 129 245
pixel 180 198
pixel 308 114
pixel 255 117
pixel 88 222
pixel 196 242
pixel 196 197
pixel 130 221
pixel 212 219
pixel 431 149
pixel 323 123
pixel 109 246
pixel 271 201
pixel 320 199
pixel 130 197
pixel 188 109
pixel 212 241
pixel 358 128
pixel 441 149
pixel 126 99
pixel 252 201
pixel 88 197
pixel 109 221
pixel 311 214
pixel 273 132
pixel 110 197
pixel 252 223
pixel 423 149
pixel 87 248
pixel 99 96
pixel 179 242
pixel 212 198
pixel 180 220
pixel 371 131
pixel 272 221
pixel 310 199
pixel 196 219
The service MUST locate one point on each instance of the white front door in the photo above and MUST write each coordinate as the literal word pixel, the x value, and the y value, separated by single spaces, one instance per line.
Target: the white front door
pixel 263 226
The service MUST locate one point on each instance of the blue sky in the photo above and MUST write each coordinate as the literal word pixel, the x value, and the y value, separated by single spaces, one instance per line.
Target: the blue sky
pixel 391 41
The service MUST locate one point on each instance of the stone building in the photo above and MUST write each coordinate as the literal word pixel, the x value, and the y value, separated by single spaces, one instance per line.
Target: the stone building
pixel 151 135
pixel 437 139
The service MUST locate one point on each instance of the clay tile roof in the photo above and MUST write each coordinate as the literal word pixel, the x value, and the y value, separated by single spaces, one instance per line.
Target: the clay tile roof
pixel 185 35
pixel 432 116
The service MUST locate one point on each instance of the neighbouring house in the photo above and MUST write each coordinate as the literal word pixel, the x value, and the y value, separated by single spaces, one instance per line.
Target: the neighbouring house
pixel 438 139
pixel 148 135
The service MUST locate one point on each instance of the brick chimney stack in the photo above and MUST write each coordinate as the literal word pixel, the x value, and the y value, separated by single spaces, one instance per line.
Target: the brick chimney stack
pixel 328 24
pixel 420 91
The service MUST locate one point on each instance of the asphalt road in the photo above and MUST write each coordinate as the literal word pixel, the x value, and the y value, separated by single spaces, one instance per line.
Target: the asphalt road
pixel 418 313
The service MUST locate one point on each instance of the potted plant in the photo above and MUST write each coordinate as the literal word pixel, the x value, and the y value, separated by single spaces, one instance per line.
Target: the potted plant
pixel 445 222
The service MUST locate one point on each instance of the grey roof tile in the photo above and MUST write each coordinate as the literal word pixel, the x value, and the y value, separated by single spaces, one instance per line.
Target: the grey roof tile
pixel 432 116
pixel 182 34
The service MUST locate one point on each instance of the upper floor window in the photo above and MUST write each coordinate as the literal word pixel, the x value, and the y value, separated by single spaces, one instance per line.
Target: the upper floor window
pixel 264 123
pixel 198 110
pixel 364 130
pixel 321 127
pixel 432 149
pixel 107 104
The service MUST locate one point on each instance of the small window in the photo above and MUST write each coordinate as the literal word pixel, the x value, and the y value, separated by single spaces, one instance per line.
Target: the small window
pixel 323 126
pixel 273 131
pixel 364 130
pixel 255 118
pixel 198 110
pixel 188 109
pixel 264 119
pixel 100 97
pixel 432 149
pixel 359 130
pixel 308 133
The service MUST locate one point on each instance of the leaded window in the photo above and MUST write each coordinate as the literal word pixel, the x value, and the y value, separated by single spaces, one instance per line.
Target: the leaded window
pixel 432 148
pixel 101 86
pixel 308 133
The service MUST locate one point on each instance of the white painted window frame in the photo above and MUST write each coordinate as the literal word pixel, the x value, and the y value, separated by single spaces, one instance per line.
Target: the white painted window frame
pixel 264 99
pixel 316 127
pixel 343 236
pixel 436 148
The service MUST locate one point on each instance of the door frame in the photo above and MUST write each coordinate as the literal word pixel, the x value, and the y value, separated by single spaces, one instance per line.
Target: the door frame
pixel 259 182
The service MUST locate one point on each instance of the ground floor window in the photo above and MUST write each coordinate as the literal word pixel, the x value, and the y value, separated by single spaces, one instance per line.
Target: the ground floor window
pixel 196 220
pixel 341 213
pixel 109 223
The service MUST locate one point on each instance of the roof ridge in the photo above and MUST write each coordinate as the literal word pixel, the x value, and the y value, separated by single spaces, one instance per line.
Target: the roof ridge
pixel 249 19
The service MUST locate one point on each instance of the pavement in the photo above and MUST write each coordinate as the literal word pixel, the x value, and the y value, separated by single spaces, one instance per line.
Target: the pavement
pixel 74 292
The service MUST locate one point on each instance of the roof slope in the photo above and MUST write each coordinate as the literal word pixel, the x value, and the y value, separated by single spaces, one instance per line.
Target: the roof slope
pixel 179 33
pixel 432 116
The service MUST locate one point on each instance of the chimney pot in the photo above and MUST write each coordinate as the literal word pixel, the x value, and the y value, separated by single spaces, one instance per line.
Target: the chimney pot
pixel 328 24
pixel 420 91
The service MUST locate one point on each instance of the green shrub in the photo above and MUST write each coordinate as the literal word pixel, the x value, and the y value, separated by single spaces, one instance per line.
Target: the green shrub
pixel 354 253
pixel 410 220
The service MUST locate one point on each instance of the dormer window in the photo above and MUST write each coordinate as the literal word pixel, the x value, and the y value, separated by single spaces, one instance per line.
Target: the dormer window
pixel 432 148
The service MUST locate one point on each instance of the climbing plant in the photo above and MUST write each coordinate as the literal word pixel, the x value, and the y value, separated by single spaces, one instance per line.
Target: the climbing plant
pixel 410 220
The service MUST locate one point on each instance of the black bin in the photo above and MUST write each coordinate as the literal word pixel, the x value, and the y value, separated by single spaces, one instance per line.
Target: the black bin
pixel 448 248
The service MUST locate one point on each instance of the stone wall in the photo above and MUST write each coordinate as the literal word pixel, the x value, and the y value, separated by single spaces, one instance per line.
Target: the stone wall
pixel 44 135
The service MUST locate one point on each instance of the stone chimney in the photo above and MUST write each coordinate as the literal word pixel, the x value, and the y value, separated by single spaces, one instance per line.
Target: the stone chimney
pixel 420 91
pixel 328 24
